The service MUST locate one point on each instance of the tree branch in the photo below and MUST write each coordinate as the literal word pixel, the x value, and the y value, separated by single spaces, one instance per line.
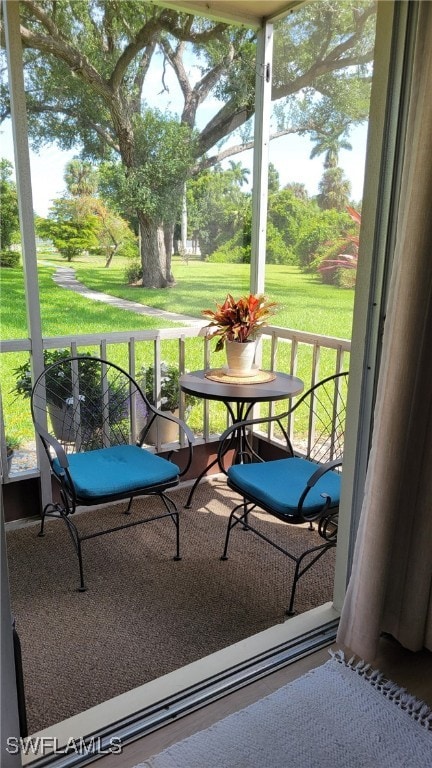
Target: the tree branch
pixel 143 68
pixel 174 56
pixel 54 44
pixel 209 162
pixel 145 36
pixel 185 32
pixel 56 109
pixel 167 20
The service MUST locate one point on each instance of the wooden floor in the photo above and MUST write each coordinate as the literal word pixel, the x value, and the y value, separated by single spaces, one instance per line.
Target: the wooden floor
pixel 412 671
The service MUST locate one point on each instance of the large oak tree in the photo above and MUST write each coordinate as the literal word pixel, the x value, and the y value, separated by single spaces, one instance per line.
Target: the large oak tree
pixel 87 68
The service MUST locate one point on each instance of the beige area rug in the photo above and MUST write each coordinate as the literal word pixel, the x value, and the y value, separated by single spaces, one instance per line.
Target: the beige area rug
pixel 336 716
pixel 144 615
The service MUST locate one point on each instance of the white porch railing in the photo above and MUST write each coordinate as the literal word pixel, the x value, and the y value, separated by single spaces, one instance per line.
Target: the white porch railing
pixel 309 356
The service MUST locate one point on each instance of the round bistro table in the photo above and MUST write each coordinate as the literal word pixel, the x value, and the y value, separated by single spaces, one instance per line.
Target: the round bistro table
pixel 238 398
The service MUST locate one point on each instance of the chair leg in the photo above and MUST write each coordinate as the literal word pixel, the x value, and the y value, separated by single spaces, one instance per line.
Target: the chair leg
pixel 77 544
pixel 42 525
pixel 128 511
pixel 290 610
pixel 175 517
pixel 56 510
pixel 232 521
pixel 49 510
pixel 245 515
pixel 320 551
pixel 224 555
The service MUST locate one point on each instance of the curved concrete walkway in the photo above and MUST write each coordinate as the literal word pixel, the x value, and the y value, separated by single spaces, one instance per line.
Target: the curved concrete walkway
pixel 65 278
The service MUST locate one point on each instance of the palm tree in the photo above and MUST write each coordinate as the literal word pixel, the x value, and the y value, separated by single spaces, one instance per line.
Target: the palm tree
pixel 81 178
pixel 329 143
pixel 334 188
pixel 239 172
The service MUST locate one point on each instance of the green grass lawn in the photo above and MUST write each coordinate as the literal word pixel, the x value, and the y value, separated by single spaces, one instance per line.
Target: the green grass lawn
pixel 303 303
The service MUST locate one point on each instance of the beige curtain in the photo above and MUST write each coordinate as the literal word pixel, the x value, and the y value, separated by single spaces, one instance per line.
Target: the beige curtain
pixel 391 583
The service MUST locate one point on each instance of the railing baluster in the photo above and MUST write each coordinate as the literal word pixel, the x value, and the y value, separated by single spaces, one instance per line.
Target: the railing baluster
pixel 133 430
pixel 293 371
pixel 273 367
pixel 206 405
pixel 181 365
pixel 300 341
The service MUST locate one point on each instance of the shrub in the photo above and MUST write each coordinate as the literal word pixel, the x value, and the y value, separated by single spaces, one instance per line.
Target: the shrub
pixel 134 272
pixel 231 254
pixel 60 397
pixel 58 387
pixel 9 258
pixel 170 386
pixel 277 252
pixel 13 442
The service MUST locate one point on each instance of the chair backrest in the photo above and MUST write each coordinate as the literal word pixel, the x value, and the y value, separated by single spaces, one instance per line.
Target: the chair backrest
pixel 318 420
pixel 88 403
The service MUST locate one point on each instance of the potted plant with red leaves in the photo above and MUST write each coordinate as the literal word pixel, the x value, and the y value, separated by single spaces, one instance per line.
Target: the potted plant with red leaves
pixel 237 324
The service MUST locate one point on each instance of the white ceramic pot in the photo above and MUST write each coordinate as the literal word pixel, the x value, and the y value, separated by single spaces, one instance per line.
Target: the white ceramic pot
pixel 163 431
pixel 62 422
pixel 240 357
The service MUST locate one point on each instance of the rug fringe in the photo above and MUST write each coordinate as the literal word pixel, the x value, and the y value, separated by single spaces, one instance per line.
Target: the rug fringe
pixel 414 707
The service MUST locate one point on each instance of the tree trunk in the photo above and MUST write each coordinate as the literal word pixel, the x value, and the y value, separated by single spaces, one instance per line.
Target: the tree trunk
pixel 153 255
pixel 184 221
pixel 111 255
pixel 169 249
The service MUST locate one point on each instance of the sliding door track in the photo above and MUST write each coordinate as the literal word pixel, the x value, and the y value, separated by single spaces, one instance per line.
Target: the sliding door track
pixel 190 699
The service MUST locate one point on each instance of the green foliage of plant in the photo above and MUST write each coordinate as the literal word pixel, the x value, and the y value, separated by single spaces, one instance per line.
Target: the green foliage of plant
pixel 81 178
pixel 296 229
pixel 219 210
pixel 239 320
pixel 164 152
pixel 133 272
pixel 9 219
pixel 170 386
pixel 289 216
pixel 324 228
pixel 58 386
pixel 71 229
pixel 277 251
pixel 10 259
pixel 230 253
pixel 13 441
pixel 334 190
pixel 337 261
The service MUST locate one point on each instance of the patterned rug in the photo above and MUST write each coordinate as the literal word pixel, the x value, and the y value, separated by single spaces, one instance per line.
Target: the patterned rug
pixel 339 715
pixel 145 615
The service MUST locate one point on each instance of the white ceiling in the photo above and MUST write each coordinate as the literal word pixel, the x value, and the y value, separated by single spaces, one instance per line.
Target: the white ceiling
pixel 251 13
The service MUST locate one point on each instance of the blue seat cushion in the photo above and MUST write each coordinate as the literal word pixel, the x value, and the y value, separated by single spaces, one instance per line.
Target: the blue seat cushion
pixel 116 470
pixel 278 485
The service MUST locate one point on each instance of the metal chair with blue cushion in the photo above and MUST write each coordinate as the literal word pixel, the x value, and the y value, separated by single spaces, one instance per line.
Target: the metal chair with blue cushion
pixel 304 485
pixel 93 418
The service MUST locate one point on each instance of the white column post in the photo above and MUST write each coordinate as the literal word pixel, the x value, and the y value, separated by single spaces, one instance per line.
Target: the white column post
pixel 263 86
pixel 25 204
